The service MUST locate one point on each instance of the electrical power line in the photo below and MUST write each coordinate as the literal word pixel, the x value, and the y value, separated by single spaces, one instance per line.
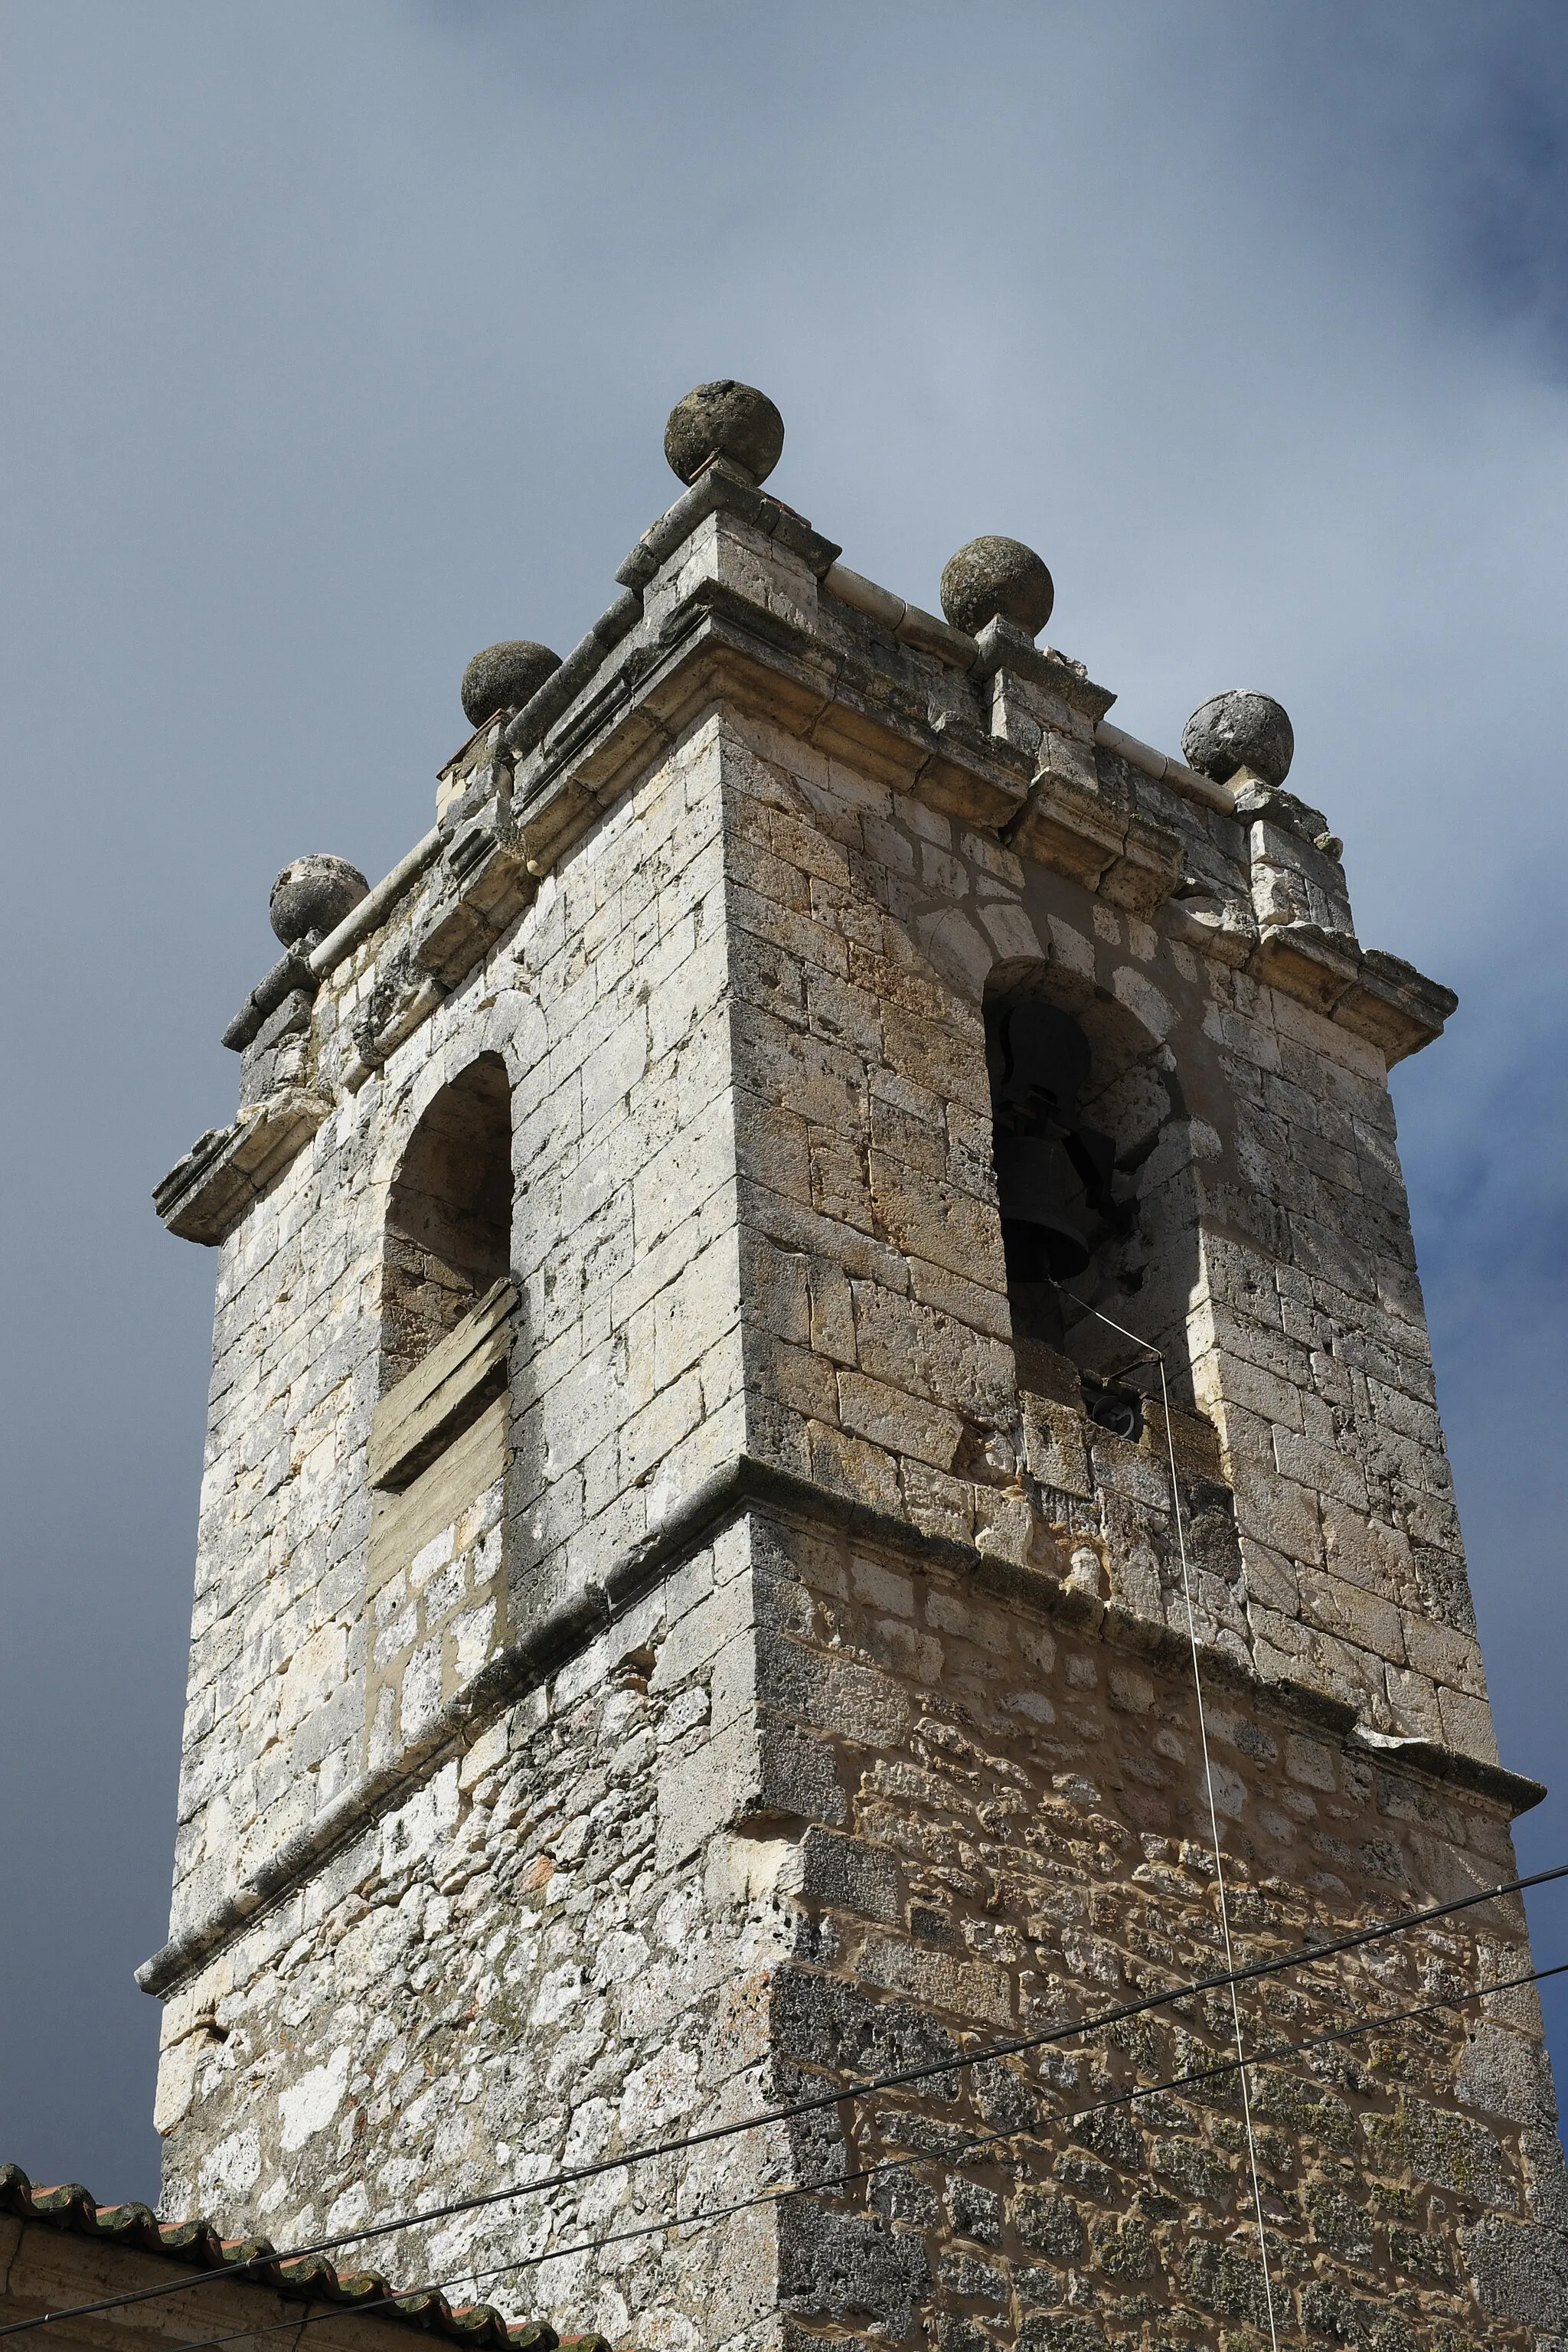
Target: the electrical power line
pixel 833 2182
pixel 761 2118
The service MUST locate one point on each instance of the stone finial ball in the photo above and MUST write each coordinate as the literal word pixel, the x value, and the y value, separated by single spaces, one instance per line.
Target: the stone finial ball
pixel 505 677
pixel 1240 730
pixel 314 894
pixel 725 420
pixel 996 580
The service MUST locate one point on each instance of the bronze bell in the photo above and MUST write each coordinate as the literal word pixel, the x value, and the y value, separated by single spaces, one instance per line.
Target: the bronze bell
pixel 1038 1192
pixel 1050 1182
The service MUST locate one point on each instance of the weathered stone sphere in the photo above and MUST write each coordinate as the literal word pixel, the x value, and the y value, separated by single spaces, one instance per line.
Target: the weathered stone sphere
pixel 505 677
pixel 725 420
pixel 996 580
pixel 314 894
pixel 1240 730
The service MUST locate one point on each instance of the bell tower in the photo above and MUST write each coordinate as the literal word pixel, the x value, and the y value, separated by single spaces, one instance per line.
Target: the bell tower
pixel 830 1232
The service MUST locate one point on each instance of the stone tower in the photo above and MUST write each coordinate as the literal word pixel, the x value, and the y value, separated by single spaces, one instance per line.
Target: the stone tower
pixel 689 1608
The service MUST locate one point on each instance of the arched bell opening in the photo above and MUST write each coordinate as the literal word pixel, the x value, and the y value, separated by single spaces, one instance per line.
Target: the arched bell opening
pixel 439 1448
pixel 1081 1097
pixel 448 1218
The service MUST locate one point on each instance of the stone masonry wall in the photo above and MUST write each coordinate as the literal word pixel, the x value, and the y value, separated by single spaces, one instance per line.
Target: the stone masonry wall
pixel 1274 1261
pixel 817 1808
pixel 606 1001
pixel 532 1961
pixel 755 1208
pixel 1027 1842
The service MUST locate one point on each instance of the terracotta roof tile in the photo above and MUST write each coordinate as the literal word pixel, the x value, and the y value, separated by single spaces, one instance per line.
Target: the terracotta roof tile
pixel 312 2277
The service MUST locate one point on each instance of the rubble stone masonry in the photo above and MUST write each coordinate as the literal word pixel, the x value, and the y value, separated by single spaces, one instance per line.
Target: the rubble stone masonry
pixel 733 1662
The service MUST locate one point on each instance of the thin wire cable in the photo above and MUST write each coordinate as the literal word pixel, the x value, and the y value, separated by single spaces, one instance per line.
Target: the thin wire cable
pixel 777 2194
pixel 1168 1997
pixel 1218 1865
pixel 1159 1357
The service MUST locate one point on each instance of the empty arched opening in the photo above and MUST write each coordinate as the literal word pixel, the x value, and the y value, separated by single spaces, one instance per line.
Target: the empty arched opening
pixel 449 1219
pixel 1081 1096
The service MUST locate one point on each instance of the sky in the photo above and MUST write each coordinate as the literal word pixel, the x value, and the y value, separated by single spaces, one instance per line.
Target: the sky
pixel 339 344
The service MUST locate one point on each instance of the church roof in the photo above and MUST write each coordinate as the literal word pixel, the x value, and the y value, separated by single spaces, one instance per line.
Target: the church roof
pixel 201 2245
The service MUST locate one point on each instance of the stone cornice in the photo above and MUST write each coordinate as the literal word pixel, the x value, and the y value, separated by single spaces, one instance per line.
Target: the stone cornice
pixel 205 1194
pixel 834 676
pixel 564 1616
pixel 717 646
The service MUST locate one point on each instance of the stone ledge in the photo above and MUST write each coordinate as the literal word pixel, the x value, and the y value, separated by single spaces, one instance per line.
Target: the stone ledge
pixel 562 1618
pixel 600 719
pixel 1129 860
pixel 1514 1790
pixel 291 972
pixel 1001 647
pixel 715 647
pixel 490 889
pixel 1317 967
pixel 205 1195
pixel 1378 996
pixel 1395 1005
pixel 722 485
